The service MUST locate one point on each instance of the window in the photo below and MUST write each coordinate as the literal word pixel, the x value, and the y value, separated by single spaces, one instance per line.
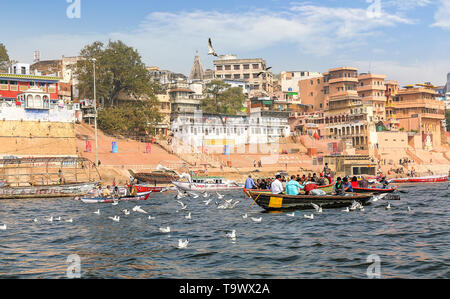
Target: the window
pixel 246 76
pixel 228 67
pixel 255 66
pixel 318 81
pixel 255 76
pixel 228 76
pixel 237 67
pixel 312 82
pixel 219 68
pixel 237 76
pixel 246 66
pixel 312 94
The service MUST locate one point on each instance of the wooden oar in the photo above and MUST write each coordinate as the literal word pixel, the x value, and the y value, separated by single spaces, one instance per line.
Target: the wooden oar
pixel 254 201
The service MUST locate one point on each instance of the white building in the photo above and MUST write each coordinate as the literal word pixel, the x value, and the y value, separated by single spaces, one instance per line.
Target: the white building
pixel 20 69
pixel 199 131
pixel 35 105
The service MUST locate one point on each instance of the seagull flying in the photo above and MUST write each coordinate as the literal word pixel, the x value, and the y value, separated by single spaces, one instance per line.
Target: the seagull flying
pixel 317 208
pixel 193 195
pixel 211 49
pixel 182 245
pixel 409 209
pixel 189 217
pixel 205 195
pixel 219 196
pixel 207 202
pixel 165 229
pixel 183 206
pixel 245 216
pixel 115 203
pixel 265 71
pixel 126 212
pixel 388 206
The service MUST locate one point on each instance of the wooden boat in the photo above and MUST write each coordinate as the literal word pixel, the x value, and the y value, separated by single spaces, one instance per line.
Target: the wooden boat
pixel 326 188
pixel 148 188
pixel 429 179
pixel 155 177
pixel 203 184
pixel 50 191
pixel 139 197
pixel 282 202
pixel 375 190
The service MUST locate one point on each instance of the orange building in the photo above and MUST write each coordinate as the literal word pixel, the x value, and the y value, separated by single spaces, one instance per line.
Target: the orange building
pixel 418 111
pixel 371 89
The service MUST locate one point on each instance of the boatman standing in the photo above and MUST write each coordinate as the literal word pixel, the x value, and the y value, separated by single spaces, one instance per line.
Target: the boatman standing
pixel 250 183
pixel 277 186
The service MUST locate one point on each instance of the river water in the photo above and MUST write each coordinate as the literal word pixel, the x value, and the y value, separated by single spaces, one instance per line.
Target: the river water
pixel 333 245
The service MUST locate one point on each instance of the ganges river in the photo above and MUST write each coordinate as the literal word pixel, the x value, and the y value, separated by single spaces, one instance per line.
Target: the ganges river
pixel 334 244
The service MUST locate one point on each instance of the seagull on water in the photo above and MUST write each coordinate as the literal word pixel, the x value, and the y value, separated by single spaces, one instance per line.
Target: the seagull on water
pixel 165 229
pixel 291 214
pixel 189 217
pixel 36 220
pixel 229 201
pixel 69 220
pixel 232 235
pixel 50 219
pixel 3 227
pixel 151 218
pixel 98 212
pixel 388 206
pixel 409 209
pixel 220 196
pixel 126 212
pixel 115 218
pixel 58 219
pixel 309 217
pixel 211 49
pixel 139 210
pixel 257 219
pixel 245 216
pixel 182 244
pixel 235 204
pixel 115 203
pixel 347 210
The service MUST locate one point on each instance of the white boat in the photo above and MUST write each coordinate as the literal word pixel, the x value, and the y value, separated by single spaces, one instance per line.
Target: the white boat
pixel 2 183
pixel 204 184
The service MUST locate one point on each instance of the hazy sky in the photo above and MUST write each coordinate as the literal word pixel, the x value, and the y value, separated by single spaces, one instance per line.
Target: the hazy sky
pixel 408 40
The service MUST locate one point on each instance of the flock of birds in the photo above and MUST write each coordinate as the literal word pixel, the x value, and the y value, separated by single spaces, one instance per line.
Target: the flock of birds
pixel 219 201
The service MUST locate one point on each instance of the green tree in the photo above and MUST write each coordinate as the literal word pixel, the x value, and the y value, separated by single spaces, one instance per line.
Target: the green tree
pixel 119 72
pixel 4 58
pixel 222 99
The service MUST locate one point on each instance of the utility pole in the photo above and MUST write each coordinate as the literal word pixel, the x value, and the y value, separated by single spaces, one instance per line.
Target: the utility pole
pixel 95 117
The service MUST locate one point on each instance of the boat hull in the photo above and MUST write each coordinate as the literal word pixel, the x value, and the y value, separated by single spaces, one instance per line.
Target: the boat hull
pixel 202 187
pixel 281 202
pixel 53 191
pixel 146 188
pixel 139 197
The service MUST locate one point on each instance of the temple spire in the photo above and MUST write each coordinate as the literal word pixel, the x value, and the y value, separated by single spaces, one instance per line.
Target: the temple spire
pixel 197 69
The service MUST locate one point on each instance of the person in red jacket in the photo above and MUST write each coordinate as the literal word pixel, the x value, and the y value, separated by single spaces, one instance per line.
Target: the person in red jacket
pixel 355 182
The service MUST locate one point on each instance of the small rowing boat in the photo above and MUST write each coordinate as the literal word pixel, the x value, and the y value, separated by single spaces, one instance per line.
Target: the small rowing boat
pixel 428 179
pixel 375 190
pixel 282 202
pixel 147 188
pixel 138 197
pixel 207 184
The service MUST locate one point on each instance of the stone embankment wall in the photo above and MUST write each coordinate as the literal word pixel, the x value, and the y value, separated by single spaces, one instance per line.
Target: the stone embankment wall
pixel 22 138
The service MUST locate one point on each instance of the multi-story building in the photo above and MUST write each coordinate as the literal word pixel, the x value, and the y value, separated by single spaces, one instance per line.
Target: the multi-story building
pixel 200 131
pixel 165 109
pixel 371 89
pixel 182 99
pixel 229 67
pixel 290 80
pixel 164 77
pixel 418 111
pixel 392 88
pixel 11 85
